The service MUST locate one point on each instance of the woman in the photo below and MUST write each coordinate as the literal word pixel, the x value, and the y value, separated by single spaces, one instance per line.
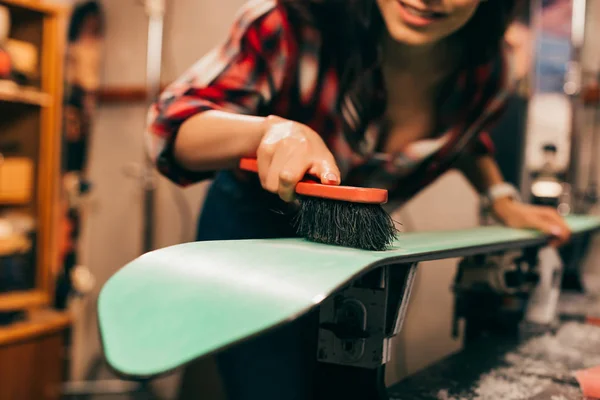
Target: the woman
pixel 386 93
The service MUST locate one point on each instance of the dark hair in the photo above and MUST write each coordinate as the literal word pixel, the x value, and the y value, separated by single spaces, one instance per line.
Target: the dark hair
pixel 351 30
pixel 80 13
pixel 524 13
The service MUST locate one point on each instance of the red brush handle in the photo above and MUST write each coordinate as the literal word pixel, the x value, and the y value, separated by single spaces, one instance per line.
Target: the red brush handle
pixel 310 187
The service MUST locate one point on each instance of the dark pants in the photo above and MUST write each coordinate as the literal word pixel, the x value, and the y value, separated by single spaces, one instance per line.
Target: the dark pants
pixel 277 365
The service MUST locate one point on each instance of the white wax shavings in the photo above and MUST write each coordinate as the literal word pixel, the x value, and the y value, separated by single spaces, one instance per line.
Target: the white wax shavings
pixel 537 365
pixel 444 395
pixel 507 384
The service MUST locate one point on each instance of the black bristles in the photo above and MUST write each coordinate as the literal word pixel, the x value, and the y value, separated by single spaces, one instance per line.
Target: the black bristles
pixel 341 223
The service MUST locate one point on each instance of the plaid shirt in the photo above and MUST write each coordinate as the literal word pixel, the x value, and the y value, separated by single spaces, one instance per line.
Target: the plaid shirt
pixel 264 68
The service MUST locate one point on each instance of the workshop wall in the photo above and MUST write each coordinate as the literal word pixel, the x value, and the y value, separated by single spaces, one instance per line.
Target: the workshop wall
pixel 111 232
pixel 591 55
pixel 591 63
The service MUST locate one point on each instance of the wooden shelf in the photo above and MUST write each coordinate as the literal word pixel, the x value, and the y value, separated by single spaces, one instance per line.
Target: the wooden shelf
pixel 22 300
pixel 35 5
pixel 37 323
pixel 14 94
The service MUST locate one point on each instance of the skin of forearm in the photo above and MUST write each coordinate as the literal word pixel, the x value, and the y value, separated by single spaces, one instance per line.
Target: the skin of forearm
pixel 217 139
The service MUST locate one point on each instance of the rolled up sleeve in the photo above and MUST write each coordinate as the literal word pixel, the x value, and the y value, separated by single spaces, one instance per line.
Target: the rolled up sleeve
pixel 240 76
pixel 495 110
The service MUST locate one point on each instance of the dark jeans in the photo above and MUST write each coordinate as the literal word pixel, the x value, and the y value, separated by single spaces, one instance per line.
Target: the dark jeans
pixel 277 365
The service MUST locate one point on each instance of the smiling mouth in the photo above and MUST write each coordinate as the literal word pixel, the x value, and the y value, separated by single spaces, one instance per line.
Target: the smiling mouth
pixel 426 14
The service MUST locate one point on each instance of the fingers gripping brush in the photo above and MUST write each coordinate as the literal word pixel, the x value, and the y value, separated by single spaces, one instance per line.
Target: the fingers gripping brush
pixel 340 215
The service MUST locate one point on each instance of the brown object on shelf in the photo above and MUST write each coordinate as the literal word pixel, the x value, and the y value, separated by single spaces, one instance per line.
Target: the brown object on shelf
pixel 32 356
pixel 16 176
pixel 24 57
pixel 14 244
pixel 12 93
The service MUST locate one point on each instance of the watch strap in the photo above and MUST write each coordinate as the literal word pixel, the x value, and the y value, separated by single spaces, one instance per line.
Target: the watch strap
pixel 501 190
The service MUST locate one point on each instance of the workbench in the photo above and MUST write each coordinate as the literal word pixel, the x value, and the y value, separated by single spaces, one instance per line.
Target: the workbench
pixel 535 364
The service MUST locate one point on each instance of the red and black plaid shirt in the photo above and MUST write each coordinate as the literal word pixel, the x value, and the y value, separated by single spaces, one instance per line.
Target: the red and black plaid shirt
pixel 263 68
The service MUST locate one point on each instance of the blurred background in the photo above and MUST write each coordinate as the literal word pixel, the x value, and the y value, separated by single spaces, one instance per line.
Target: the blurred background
pixel 78 201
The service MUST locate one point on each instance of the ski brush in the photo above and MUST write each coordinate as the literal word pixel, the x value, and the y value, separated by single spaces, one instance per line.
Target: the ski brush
pixel 340 215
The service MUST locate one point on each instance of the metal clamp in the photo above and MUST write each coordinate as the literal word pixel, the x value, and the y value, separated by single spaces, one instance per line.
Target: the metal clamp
pixel 357 324
pixel 492 290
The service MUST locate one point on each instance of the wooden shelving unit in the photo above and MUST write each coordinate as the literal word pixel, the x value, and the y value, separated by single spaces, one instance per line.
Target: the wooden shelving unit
pixel 38 323
pixel 30 128
pixel 32 348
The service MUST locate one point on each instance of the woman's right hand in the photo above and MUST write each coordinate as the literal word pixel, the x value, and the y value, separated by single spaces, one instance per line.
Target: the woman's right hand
pixel 289 150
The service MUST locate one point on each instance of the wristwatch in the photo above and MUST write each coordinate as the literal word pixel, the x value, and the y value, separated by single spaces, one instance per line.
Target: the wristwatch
pixel 501 190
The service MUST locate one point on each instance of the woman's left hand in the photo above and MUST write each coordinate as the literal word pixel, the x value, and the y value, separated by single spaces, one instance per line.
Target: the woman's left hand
pixel 526 216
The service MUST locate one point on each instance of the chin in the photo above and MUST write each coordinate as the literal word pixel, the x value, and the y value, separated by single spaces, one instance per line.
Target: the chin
pixel 405 35
pixel 416 22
